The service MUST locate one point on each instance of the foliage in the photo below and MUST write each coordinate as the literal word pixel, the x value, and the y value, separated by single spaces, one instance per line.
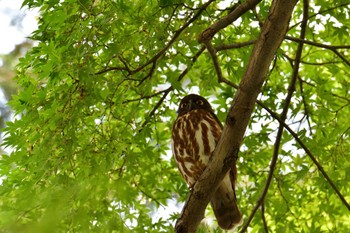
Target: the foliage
pixel 98 95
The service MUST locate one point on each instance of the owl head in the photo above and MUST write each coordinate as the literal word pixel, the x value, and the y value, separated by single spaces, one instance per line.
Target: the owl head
pixel 192 102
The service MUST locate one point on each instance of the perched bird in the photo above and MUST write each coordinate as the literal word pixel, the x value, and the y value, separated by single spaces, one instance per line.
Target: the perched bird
pixel 195 133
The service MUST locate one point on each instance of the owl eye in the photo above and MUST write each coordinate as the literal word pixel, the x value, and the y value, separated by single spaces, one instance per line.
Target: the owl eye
pixel 184 105
pixel 199 102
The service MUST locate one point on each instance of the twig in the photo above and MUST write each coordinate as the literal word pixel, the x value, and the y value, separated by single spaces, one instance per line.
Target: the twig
pixel 325 46
pixel 308 152
pixel 159 103
pixel 167 46
pixel 321 12
pixel 206 36
pixel 145 97
pixel 263 217
pixel 167 91
pixel 110 69
pixel 306 106
pixel 146 194
pixel 174 38
pixel 149 74
pixel 333 48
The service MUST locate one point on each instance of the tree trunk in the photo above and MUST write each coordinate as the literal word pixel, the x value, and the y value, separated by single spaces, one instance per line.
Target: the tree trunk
pixel 226 152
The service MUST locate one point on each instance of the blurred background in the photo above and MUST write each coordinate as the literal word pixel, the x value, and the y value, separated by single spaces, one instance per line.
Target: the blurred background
pixel 16 26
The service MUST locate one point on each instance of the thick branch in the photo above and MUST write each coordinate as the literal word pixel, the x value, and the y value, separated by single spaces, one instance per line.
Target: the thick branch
pixel 237 120
pixel 283 117
pixel 235 45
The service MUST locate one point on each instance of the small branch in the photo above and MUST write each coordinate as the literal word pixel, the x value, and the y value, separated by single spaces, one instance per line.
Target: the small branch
pixel 341 56
pixel 235 45
pixel 125 63
pixel 281 193
pixel 146 194
pixel 174 38
pixel 111 69
pixel 320 63
pixel 166 47
pixel 291 62
pixel 213 53
pixel 167 91
pixel 306 106
pixel 333 94
pixel 208 33
pixel 214 57
pixel 258 18
pixel 149 74
pixel 309 153
pixel 321 12
pixel 333 48
pixel 325 46
pixel 144 97
pixel 263 217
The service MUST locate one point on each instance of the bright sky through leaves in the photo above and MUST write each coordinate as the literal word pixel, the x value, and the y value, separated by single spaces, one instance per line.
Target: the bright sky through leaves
pixel 16 24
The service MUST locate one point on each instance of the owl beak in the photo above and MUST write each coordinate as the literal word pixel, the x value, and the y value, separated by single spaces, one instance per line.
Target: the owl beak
pixel 190 105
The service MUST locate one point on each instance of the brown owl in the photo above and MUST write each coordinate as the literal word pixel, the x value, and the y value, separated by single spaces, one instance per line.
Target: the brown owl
pixel 195 134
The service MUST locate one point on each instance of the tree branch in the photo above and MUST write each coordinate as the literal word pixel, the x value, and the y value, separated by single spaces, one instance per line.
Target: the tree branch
pixel 212 51
pixel 325 46
pixel 263 218
pixel 176 35
pixel 309 153
pixel 167 91
pixel 208 33
pixel 226 152
pixel 333 48
pixel 206 36
pixel 283 117
pixel 160 53
pixel 306 105
pixel 235 45
pixel 302 145
pixel 322 12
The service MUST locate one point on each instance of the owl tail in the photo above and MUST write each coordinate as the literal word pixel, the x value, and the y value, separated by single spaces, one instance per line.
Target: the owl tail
pixel 224 205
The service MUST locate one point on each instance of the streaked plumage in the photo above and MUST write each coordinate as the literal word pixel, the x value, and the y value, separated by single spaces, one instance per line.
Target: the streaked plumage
pixel 195 134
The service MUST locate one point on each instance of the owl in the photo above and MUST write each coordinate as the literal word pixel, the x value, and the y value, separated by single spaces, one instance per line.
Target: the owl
pixel 195 133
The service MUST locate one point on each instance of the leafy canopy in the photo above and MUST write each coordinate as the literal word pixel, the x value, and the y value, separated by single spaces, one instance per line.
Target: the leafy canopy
pixel 97 98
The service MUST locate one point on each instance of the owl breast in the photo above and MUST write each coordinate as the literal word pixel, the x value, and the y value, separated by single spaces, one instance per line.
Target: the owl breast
pixel 195 135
